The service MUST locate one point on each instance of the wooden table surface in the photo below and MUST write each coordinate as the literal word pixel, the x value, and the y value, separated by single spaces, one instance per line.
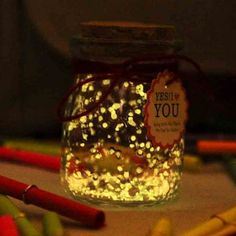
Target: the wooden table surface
pixel 202 195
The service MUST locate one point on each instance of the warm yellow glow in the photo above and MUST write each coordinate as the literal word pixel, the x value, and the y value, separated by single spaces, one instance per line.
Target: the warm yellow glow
pixel 118 166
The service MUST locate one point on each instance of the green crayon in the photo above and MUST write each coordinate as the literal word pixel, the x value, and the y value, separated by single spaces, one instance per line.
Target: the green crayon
pixel 23 224
pixel 52 225
pixel 230 166
pixel 34 146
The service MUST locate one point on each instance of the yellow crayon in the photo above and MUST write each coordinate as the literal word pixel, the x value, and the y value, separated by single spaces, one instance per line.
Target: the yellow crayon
pixel 214 225
pixel 227 230
pixel 162 228
pixel 192 163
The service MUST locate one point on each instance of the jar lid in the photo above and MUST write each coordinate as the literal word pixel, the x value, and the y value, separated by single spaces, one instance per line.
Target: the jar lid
pixel 126 31
pixel 122 39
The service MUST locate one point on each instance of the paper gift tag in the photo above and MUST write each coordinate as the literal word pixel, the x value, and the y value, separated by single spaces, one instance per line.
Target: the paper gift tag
pixel 165 110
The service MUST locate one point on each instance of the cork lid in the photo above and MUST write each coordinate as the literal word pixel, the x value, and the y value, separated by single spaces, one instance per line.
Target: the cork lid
pixel 122 39
pixel 127 31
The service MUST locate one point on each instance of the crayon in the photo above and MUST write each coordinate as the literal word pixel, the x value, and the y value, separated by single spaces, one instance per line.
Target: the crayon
pixel 50 148
pixel 31 194
pixel 213 225
pixel 230 166
pixel 8 226
pixel 24 226
pixel 40 160
pixel 229 230
pixel 162 228
pixel 192 163
pixel 52 225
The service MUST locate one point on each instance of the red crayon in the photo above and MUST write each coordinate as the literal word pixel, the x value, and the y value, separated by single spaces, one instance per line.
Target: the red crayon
pixel 8 226
pixel 31 158
pixel 31 194
pixel 216 146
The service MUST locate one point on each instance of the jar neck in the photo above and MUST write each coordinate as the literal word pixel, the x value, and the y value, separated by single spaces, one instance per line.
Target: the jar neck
pixel 81 66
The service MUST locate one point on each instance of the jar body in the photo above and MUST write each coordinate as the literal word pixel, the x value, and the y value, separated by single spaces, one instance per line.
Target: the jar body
pixel 107 155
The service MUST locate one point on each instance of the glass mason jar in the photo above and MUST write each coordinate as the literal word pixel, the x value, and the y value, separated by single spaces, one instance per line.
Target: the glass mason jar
pixel 108 158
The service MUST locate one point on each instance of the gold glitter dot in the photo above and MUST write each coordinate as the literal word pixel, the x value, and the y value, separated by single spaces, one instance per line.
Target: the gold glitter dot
pixel 142 145
pixel 113 115
pixel 118 126
pixel 132 103
pixel 104 125
pixel 131 121
pixel 118 154
pixel 139 101
pixel 103 109
pixel 91 88
pixel 139 170
pixel 92 150
pixel 111 109
pixel 85 136
pixel 84 88
pixel 99 93
pixel 116 106
pixel 92 131
pixel 131 145
pixel 137 111
pixel 72 125
pixel 139 152
pixel 98 155
pixel 82 144
pixel 139 131
pixel 117 139
pixel 86 102
pixel 111 151
pixel 126 84
pixel 83 119
pixel 106 82
pixel 148 155
pixel 148 144
pixel 133 138
pixel 126 174
pixel 120 168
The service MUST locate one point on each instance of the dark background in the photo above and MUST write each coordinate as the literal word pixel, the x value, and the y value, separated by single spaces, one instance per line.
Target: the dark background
pixel 35 68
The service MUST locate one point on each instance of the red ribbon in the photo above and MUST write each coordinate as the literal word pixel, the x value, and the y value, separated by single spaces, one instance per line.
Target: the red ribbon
pixel 145 67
